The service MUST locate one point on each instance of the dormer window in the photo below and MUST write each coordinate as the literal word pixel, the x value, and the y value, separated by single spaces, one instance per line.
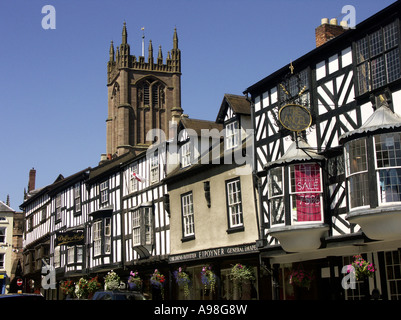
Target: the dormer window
pixel 186 154
pixel 104 192
pixel 154 167
pixel 232 135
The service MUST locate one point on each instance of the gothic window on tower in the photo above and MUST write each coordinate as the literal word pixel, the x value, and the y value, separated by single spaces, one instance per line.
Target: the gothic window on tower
pixel 151 94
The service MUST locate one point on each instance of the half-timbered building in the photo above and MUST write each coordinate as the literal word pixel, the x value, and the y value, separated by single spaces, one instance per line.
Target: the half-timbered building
pixel 326 160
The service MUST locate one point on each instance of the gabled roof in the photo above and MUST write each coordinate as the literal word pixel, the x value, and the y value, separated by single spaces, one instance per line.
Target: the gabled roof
pixel 5 208
pixel 197 125
pixel 239 104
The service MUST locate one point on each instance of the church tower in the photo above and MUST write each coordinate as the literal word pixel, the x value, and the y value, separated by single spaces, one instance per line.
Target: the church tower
pixel 142 95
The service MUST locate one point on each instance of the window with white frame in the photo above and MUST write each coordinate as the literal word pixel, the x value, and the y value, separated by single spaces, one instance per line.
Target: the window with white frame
pixel 393 274
pixel 276 196
pixel 79 254
pixel 77 197
pixel 57 257
pixel 306 193
pixel 232 135
pixel 107 235
pixel 234 204
pixel 388 166
pixel 356 170
pixel 71 254
pixel 154 167
pixel 97 238
pixel 104 192
pixel 142 226
pixel 186 154
pixel 133 178
pixel 58 207
pixel 188 222
pixel 3 235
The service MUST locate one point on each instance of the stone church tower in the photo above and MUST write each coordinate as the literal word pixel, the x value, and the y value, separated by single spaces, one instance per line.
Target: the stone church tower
pixel 142 95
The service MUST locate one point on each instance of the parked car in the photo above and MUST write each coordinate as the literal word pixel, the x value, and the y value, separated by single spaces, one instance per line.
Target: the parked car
pixel 118 295
pixel 22 296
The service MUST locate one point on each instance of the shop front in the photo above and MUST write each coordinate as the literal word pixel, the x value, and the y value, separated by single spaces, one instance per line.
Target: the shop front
pixel 225 273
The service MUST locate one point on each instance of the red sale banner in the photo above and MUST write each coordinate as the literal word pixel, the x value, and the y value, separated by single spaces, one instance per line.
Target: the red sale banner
pixel 307 187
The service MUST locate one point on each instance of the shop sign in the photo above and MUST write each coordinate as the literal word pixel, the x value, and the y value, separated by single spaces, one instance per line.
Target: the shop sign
pixel 213 253
pixel 70 238
pixel 295 117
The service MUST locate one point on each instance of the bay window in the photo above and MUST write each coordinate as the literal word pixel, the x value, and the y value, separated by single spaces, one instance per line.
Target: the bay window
pixel 306 193
pixel 142 227
pixel 302 201
pixel 388 166
pixel 356 169
pixel 101 235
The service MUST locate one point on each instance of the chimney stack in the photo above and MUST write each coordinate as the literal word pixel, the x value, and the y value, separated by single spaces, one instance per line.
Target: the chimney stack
pixel 329 30
pixel 32 179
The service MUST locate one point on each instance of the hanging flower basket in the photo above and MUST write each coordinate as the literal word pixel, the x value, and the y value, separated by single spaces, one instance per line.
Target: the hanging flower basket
pixel 241 273
pixel 157 280
pixel 182 279
pixel 301 278
pixel 134 281
pixel 363 269
pixel 111 281
pixel 208 279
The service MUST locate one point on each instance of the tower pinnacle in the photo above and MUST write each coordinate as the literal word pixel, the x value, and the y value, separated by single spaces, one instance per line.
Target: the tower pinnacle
pixel 124 40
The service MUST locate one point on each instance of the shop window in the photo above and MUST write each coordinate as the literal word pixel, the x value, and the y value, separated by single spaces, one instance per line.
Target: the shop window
pixel 388 166
pixel 393 274
pixel 357 173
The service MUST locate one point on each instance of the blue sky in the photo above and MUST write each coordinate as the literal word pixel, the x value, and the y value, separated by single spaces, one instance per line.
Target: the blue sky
pixel 53 95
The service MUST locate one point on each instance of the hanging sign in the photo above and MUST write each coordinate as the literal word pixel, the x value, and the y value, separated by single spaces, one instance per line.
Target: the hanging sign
pixel 295 117
pixel 70 238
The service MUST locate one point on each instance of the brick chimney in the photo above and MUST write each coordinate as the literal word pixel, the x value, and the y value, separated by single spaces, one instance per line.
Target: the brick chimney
pixel 327 31
pixel 32 178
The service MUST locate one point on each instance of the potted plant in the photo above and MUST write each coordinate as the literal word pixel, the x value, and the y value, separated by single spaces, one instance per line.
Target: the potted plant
pixel 68 287
pixel 134 281
pixel 111 281
pixel 208 279
pixel 81 289
pixel 361 267
pixel 182 279
pixel 93 286
pixel 157 280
